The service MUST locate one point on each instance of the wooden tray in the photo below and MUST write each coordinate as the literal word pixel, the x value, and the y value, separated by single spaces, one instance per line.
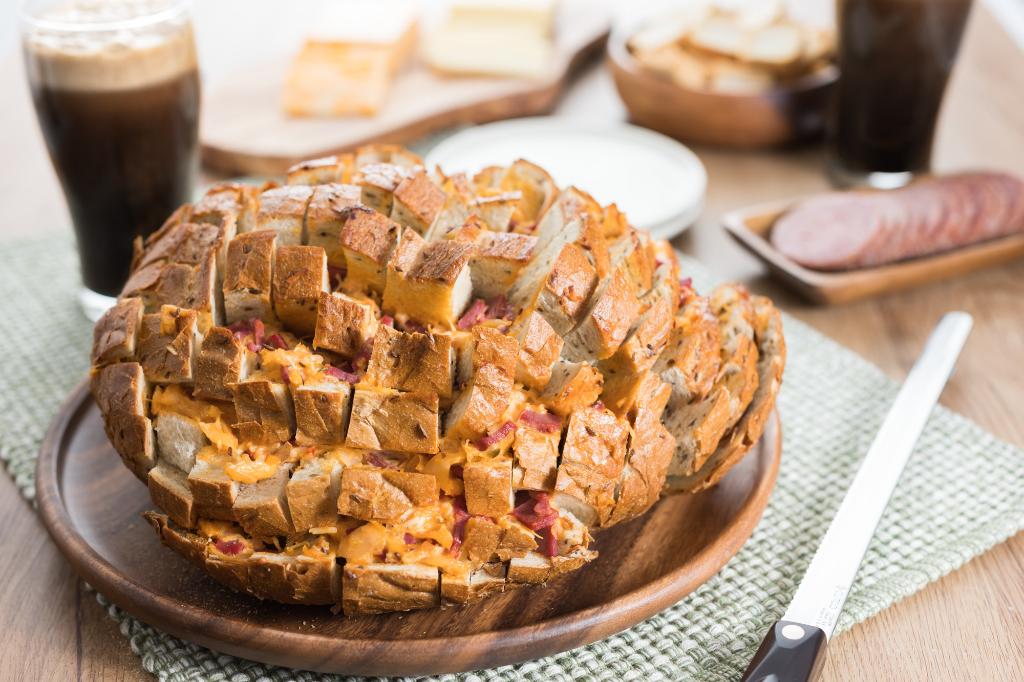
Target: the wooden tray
pixel 244 130
pixel 90 504
pixel 751 227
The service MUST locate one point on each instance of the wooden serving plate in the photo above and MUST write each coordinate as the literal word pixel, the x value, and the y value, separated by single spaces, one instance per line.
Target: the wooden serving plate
pixel 752 226
pixel 245 131
pixel 90 504
pixel 784 115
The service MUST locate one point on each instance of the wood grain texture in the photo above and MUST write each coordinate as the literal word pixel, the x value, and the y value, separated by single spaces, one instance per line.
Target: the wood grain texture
pixel 752 226
pixel 779 116
pixel 913 641
pixel 91 504
pixel 245 131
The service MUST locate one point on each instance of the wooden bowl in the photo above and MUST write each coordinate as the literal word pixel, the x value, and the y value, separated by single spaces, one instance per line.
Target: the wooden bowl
pixel 782 116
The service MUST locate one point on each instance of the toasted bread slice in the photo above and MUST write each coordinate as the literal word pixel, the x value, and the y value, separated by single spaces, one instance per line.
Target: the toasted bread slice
pixel 747 432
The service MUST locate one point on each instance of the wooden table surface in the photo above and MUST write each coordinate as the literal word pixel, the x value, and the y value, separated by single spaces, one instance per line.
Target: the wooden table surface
pixel 966 626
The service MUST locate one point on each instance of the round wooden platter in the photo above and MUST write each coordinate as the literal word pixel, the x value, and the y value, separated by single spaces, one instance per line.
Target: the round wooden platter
pixel 91 506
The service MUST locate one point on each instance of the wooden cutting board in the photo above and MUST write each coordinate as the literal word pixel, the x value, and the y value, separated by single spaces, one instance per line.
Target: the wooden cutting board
pixel 245 131
pixel 90 504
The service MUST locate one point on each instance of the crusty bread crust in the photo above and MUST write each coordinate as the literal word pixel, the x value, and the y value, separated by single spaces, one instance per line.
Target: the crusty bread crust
pixel 385 388
pixel 747 432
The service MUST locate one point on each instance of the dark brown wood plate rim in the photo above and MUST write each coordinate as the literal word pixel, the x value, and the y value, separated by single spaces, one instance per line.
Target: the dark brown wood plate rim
pixel 750 227
pixel 419 656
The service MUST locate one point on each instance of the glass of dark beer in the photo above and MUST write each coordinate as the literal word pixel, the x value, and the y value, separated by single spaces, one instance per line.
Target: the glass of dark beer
pixel 116 90
pixel 895 57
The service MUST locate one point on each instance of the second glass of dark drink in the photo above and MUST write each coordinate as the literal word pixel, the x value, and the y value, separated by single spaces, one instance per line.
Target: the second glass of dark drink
pixel 116 91
pixel 895 57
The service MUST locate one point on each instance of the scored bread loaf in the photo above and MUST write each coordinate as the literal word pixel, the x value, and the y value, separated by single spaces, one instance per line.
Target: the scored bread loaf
pixel 384 388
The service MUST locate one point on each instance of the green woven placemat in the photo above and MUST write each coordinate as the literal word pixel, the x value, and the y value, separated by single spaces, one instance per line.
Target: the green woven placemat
pixel 832 402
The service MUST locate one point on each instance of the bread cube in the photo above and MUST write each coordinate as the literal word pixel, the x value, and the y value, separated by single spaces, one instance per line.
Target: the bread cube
pixel 227 202
pixel 531 569
pixel 262 509
pixel 321 412
pixel 326 216
pixel 699 427
pixel 450 219
pixel 410 361
pixel 481 540
pixel 300 276
pixel 222 361
pixel 395 154
pixel 635 252
pixel 178 440
pixel 536 458
pixel 592 459
pixel 322 171
pixel 644 342
pixel 121 392
pixel 367 242
pixel 575 217
pixel 377 183
pixel 291 579
pixel 116 332
pixel 168 488
pixel 283 211
pixel 312 494
pixel 496 209
pixel 516 539
pixel 180 285
pixel 377 588
pixel 647 460
pixel 344 325
pixel 486 346
pixel 213 491
pixel 488 485
pixel 375 494
pixel 433 286
pixel 605 323
pixel 417 202
pixel 186 243
pixel 539 348
pixel 385 419
pixel 572 385
pixel 481 404
pixel 474 585
pixel 264 411
pixel 168 342
pixel 536 186
pixel 247 278
pixel 691 359
pixel 558 286
pixel 498 260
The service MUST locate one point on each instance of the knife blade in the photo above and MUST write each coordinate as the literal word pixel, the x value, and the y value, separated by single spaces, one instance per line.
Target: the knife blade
pixel 793 650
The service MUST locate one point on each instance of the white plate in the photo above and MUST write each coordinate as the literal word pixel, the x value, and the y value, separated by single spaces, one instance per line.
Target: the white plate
pixel 656 181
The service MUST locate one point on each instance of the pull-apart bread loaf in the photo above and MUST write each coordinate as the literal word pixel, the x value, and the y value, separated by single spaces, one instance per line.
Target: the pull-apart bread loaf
pixel 385 388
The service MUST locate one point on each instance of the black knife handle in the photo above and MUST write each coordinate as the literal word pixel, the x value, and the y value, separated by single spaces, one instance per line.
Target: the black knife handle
pixel 790 652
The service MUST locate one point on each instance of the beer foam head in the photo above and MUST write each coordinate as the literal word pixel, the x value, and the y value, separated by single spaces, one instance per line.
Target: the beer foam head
pixel 109 44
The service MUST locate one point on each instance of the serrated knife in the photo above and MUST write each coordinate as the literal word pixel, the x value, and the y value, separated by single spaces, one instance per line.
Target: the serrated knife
pixel 794 648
